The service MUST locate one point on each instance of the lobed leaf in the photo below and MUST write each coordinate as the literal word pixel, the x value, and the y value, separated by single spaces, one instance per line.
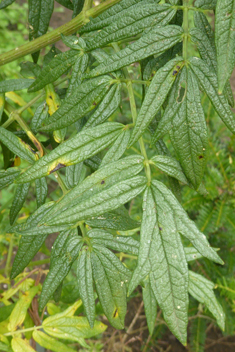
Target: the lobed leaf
pixel 76 149
pixel 155 97
pixel 225 40
pixel 155 41
pixel 17 146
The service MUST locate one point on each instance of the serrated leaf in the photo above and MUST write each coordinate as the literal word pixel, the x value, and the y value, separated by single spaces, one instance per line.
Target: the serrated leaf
pixel 183 224
pixel 202 290
pixel 50 343
pixel 60 269
pixel 8 176
pixel 79 103
pixel 189 133
pixel 117 149
pixel 110 15
pixel 155 97
pixel 76 149
pixel 41 191
pixel 205 4
pixel 74 174
pixel 20 345
pixel 133 22
pixel 104 201
pixel 100 181
pixel 118 243
pixel 85 284
pixel 6 3
pixel 109 276
pixel 107 107
pixel 18 201
pixel 118 219
pixel 170 166
pixel 225 40
pixel 17 146
pixel 156 41
pixel 40 12
pixel 150 305
pixel 79 69
pixel 19 312
pixel 15 84
pixel 73 42
pixel 208 80
pixel 72 328
pixel 54 69
pixel 168 269
pixel 40 115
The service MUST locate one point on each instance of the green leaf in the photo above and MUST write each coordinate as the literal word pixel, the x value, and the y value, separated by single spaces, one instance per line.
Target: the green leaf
pixel 118 219
pixel 15 84
pixel 85 284
pixel 110 276
pixel 100 181
pixel 2 104
pixel 79 69
pixel 20 345
pixel 155 97
pixel 41 191
pixel 55 68
pixel 40 115
pixel 40 12
pixel 29 69
pixel 6 3
pixel 77 7
pixel 8 176
pixel 72 328
pixel 58 248
pixel 104 201
pixel 19 312
pixel 79 103
pixel 189 133
pixel 156 41
pixel 132 23
pixel 225 40
pixel 202 290
pixel 118 243
pixel 107 107
pixel 73 42
pixel 168 269
pixel 17 146
pixel 170 166
pixel 208 80
pixel 150 305
pixel 66 3
pixel 206 4
pixel 18 201
pixel 29 245
pixel 74 174
pixel 60 269
pixel 78 148
pixel 183 224
pixel 110 15
pixel 117 149
pixel 50 343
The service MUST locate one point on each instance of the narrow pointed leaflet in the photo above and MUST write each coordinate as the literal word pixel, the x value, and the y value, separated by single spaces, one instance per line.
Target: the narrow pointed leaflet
pixel 161 256
pixel 155 97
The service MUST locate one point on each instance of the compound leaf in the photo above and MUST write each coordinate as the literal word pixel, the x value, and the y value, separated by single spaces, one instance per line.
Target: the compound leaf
pixel 78 148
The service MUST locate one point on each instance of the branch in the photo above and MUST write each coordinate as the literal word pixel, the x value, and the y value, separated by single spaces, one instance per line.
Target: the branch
pixel 51 38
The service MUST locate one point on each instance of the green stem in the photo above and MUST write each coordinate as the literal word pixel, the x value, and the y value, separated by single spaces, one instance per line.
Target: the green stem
pixel 185 28
pixel 23 330
pixel 30 103
pixel 51 38
pixel 9 256
pixel 137 81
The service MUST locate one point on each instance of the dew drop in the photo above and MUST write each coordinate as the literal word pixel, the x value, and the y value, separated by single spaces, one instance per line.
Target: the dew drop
pixel 178 307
